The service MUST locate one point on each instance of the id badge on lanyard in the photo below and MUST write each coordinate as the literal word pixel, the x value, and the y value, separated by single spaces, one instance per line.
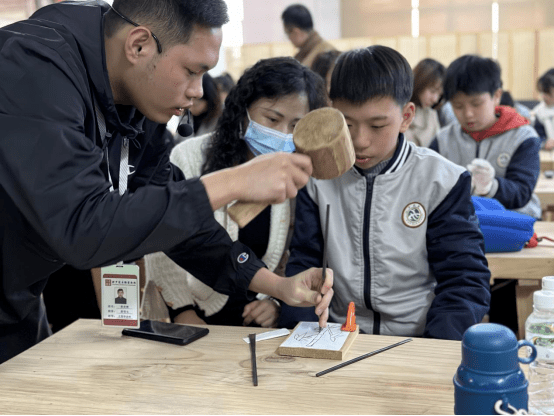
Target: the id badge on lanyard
pixel 120 295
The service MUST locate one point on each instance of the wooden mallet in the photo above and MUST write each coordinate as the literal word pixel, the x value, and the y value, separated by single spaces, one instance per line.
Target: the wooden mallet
pixel 321 134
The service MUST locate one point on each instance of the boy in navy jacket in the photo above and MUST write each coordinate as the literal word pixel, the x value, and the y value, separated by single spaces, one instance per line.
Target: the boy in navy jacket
pixel 403 240
pixel 494 142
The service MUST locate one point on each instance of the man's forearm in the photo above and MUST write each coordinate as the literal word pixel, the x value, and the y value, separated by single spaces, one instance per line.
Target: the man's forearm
pixel 221 187
pixel 266 282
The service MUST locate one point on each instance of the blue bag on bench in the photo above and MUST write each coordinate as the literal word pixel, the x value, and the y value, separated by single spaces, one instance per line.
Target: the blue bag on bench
pixel 503 230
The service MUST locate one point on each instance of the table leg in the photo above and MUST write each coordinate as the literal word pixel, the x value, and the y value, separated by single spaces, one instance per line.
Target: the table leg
pixel 524 302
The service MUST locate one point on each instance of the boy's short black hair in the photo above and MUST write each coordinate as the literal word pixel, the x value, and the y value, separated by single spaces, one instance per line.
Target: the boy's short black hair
pixel 298 15
pixel 377 71
pixel 546 82
pixel 472 74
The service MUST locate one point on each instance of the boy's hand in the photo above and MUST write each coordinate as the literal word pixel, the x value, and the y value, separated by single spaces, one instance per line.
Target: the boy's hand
pixel 264 312
pixel 482 176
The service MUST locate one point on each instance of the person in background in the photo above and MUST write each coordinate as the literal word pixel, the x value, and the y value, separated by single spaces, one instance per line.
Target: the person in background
pixel 323 64
pixel 205 111
pixel 259 118
pixel 543 113
pixel 299 27
pixel 428 79
pixel 86 90
pixel 494 142
pixel 507 99
pixel 446 114
pixel 403 239
pixel 224 84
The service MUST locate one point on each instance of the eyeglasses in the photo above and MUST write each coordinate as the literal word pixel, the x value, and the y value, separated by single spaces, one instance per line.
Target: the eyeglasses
pixel 137 25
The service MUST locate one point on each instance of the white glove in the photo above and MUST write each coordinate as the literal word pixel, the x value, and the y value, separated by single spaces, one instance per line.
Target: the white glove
pixel 482 176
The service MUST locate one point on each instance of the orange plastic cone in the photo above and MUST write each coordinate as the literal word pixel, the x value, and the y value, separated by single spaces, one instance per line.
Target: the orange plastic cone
pixel 350 324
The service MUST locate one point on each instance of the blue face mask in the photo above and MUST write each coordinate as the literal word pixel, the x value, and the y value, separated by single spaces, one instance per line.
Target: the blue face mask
pixel 263 140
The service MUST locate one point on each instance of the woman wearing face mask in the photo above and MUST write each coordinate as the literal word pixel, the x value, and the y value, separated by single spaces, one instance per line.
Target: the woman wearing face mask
pixel 259 116
pixel 428 78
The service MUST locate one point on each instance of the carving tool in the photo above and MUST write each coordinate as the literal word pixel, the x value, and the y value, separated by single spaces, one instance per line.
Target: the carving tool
pixel 361 357
pixel 252 338
pixel 325 250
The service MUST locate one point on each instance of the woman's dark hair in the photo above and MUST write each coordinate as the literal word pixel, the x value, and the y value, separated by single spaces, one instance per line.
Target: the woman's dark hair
pixel 211 95
pixel 172 21
pixel 377 71
pixel 472 74
pixel 272 78
pixel 546 81
pixel 224 82
pixel 426 74
pixel 323 62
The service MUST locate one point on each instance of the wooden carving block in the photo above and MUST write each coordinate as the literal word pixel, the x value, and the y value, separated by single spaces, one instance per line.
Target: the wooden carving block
pixel 321 134
pixel 305 343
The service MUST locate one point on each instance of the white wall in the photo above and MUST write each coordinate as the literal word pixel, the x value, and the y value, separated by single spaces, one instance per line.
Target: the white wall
pixel 262 19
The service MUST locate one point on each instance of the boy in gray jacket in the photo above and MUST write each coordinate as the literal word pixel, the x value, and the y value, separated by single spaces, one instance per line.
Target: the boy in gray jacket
pixel 403 240
pixel 494 142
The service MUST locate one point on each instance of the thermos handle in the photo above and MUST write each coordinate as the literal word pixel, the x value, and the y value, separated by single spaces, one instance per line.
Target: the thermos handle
pixel 531 358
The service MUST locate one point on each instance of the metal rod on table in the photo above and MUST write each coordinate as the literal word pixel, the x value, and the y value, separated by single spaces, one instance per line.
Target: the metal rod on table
pixel 361 357
pixel 252 338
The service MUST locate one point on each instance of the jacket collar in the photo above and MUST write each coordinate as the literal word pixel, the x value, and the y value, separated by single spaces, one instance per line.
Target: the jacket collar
pixel 398 159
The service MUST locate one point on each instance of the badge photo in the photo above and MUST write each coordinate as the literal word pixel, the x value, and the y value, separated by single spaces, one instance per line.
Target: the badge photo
pixel 120 296
pixel 413 215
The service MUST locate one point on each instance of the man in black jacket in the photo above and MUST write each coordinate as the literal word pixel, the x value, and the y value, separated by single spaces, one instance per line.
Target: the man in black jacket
pixel 85 177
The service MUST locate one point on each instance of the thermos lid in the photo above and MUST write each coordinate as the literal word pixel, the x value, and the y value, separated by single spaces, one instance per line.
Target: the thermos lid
pixel 489 347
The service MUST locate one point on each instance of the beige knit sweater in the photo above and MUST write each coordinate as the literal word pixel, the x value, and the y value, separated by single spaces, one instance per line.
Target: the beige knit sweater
pixel 424 127
pixel 180 288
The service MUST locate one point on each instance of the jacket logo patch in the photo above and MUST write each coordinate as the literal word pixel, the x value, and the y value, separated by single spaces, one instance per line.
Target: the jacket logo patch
pixel 413 215
pixel 503 160
pixel 242 257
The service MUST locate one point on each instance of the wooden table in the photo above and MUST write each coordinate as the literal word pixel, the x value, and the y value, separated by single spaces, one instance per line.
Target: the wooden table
pixel 528 267
pixel 547 160
pixel 545 191
pixel 88 369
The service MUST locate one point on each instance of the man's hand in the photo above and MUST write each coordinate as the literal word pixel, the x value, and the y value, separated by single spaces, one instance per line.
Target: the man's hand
pixel 269 179
pixel 264 312
pixel 303 289
pixel 307 289
pixel 549 144
pixel 482 176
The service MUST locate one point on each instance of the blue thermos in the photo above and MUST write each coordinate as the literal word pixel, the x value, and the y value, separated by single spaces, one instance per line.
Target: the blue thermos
pixel 490 371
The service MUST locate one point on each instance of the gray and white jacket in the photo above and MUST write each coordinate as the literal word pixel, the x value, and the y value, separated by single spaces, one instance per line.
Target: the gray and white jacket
pixel 405 248
pixel 514 154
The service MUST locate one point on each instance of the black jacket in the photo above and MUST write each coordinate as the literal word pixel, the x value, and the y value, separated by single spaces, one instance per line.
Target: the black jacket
pixel 55 204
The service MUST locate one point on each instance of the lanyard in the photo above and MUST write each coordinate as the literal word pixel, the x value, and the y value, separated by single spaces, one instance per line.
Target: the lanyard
pixel 124 159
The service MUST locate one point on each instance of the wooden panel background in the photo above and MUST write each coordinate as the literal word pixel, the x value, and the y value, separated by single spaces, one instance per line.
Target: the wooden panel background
pixel 524 55
pixel 546 50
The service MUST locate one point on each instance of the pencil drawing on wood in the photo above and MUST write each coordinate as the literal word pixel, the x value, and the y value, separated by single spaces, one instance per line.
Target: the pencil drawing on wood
pixel 307 335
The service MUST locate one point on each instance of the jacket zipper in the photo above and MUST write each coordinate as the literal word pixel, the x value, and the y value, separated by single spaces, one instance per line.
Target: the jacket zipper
pixel 367 272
